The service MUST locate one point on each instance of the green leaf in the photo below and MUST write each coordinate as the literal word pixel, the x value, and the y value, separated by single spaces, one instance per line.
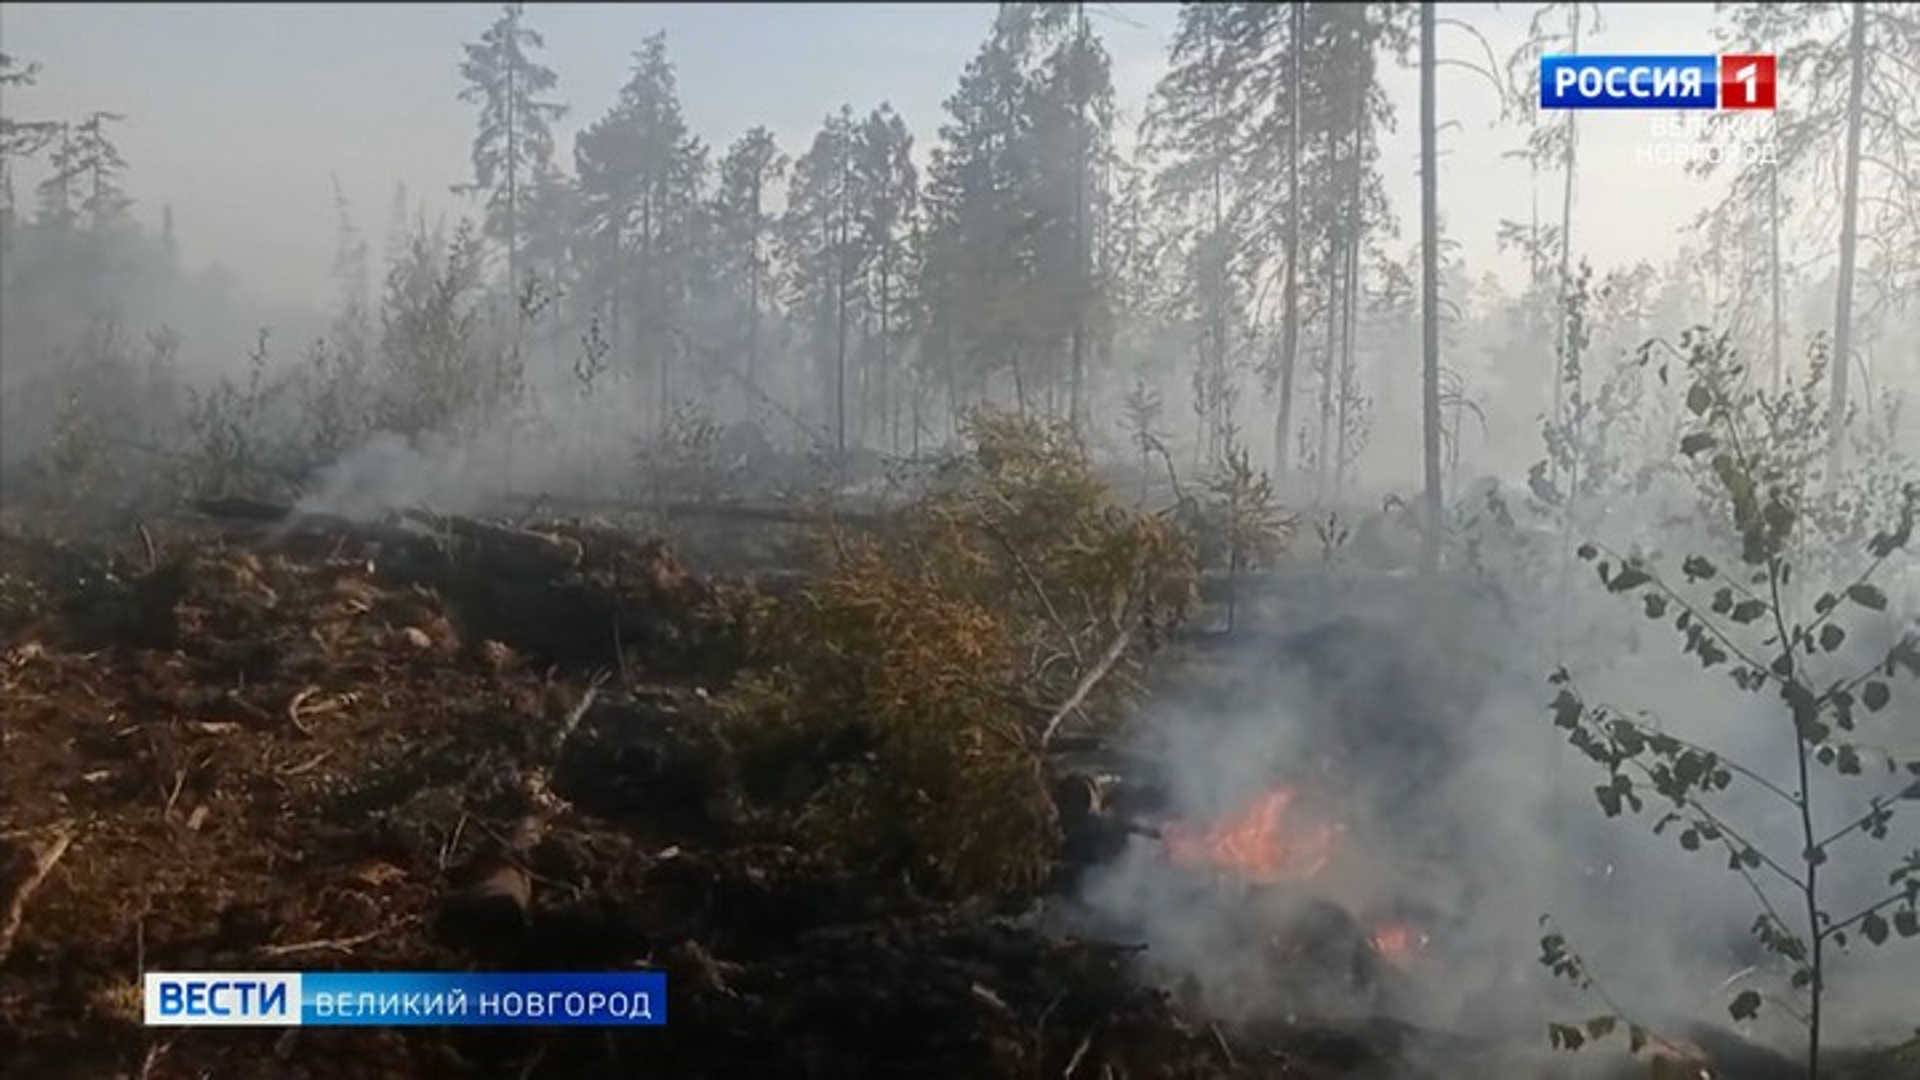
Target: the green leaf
pixel 1609 799
pixel 1698 568
pixel 1745 1005
pixel 1586 552
pixel 1699 398
pixel 1656 605
pixel 1868 596
pixel 1748 610
pixel 1849 761
pixel 1629 578
pixel 1831 636
pixel 1907 923
pixel 1567 709
pixel 1874 928
pixel 1875 695
pixel 1690 840
pixel 1697 441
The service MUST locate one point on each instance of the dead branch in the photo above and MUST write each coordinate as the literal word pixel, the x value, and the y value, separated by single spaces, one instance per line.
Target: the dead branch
pixel 1079 1054
pixel 293 710
pixel 340 944
pixel 155 1051
pixel 758 513
pixel 1033 586
pixel 146 539
pixel 308 765
pixel 576 714
pixel 1115 650
pixel 41 863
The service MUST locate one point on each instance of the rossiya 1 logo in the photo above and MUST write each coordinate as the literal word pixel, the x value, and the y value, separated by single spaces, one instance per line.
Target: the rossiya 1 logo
pixel 1704 107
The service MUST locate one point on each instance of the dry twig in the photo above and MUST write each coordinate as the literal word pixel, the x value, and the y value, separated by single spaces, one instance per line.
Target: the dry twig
pixel 1092 678
pixel 152 1057
pixel 14 911
pixel 293 710
pixel 322 944
pixel 1073 1063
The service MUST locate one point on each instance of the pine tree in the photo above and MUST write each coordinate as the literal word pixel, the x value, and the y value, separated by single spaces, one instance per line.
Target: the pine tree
pixel 515 136
pixel 641 175
pixel 744 230
pixel 1072 133
pixel 19 139
pixel 886 191
pixel 1196 129
pixel 823 258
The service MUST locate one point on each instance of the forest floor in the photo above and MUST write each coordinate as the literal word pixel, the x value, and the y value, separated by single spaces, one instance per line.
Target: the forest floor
pixel 244 748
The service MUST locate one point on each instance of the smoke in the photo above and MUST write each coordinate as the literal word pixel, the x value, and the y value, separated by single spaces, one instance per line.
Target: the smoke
pixel 1421 714
pixel 389 472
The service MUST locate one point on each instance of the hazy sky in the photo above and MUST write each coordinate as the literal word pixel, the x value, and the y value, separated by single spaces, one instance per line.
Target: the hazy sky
pixel 238 113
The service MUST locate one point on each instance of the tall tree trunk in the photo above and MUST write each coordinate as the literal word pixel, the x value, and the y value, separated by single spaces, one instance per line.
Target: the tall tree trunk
pixel 1329 362
pixel 1773 270
pixel 1350 295
pixel 1568 164
pixel 840 344
pixel 1076 396
pixel 1290 327
pixel 889 428
pixel 753 292
pixel 1534 268
pixel 1849 242
pixel 1429 296
pixel 513 177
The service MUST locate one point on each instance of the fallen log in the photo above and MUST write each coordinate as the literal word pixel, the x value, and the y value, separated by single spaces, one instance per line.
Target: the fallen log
pixel 757 513
pixel 543 553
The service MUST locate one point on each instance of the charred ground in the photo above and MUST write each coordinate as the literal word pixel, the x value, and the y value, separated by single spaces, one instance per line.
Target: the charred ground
pixel 243 739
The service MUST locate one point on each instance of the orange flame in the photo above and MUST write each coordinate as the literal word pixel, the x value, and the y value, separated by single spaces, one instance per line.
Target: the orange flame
pixel 1257 843
pixel 1399 942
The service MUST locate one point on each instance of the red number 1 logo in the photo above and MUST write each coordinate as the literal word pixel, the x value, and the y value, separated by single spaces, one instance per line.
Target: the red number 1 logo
pixel 1746 82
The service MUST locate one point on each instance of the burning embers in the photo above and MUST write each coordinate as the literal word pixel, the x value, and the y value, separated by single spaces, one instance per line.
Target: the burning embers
pixel 1271 842
pixel 1259 844
pixel 1398 941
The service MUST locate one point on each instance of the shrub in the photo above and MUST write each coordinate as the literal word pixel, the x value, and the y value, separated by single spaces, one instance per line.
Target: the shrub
pixel 948 646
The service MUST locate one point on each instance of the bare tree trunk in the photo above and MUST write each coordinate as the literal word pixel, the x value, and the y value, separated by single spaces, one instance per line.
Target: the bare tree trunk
pixel 1076 400
pixel 513 186
pixel 1849 242
pixel 753 290
pixel 1429 295
pixel 1329 360
pixel 1350 296
pixel 1290 330
pixel 843 277
pixel 889 426
pixel 1569 165
pixel 1773 271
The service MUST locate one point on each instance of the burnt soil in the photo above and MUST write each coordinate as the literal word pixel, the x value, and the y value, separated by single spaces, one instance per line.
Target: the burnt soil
pixel 298 749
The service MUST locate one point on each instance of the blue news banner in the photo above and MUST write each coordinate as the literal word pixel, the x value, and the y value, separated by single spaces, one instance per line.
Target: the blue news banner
pixel 1630 82
pixel 415 998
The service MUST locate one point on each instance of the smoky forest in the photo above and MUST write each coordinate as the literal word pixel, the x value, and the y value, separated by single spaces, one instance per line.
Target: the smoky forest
pixel 1200 540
